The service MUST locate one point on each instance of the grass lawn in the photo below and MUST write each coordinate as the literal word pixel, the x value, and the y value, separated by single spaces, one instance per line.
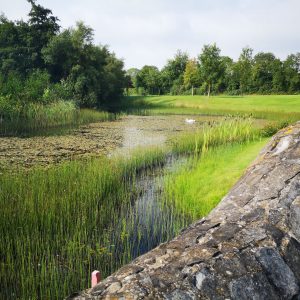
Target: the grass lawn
pixel 275 107
pixel 199 186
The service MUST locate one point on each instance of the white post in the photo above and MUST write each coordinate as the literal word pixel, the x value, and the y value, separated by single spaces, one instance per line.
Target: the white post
pixel 96 278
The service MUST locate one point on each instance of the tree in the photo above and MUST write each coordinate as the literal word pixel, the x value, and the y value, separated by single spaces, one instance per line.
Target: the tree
pixel 244 69
pixel 114 78
pixel 149 79
pixel 21 42
pixel 172 73
pixel 226 74
pixel 42 27
pixel 95 76
pixel 278 80
pixel 191 75
pixel 60 55
pixel 210 65
pixel 263 72
pixel 15 55
pixel 132 73
pixel 292 72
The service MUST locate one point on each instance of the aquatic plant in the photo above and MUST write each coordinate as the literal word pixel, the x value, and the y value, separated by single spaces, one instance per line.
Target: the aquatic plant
pixel 57 224
pixel 35 117
pixel 60 223
pixel 212 135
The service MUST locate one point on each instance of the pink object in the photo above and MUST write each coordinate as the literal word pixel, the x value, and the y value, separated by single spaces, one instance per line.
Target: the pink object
pixel 96 277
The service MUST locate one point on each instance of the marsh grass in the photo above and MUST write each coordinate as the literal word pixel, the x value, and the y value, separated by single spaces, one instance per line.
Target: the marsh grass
pixel 36 118
pixel 226 132
pixel 56 224
pixel 60 223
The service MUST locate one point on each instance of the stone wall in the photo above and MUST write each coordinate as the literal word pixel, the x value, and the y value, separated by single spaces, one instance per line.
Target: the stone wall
pixel 247 248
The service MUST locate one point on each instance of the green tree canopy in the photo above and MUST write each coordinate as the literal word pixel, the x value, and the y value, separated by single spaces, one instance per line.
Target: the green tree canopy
pixel 292 72
pixel 243 68
pixel 149 79
pixel 172 73
pixel 263 72
pixel 211 65
pixel 191 76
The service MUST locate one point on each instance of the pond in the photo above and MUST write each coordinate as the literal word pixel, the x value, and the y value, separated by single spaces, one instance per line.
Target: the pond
pixel 103 138
pixel 89 213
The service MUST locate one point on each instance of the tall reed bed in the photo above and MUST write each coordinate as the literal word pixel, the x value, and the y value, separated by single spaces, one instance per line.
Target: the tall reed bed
pixel 226 132
pixel 35 117
pixel 57 224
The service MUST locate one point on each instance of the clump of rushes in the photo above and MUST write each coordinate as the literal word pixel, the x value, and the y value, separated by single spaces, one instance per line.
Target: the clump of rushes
pixel 35 117
pixel 227 132
pixel 60 223
pixel 57 224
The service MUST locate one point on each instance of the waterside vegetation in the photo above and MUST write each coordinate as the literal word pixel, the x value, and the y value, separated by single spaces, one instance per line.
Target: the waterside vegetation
pixel 59 224
pixel 281 108
pixel 197 187
pixel 46 73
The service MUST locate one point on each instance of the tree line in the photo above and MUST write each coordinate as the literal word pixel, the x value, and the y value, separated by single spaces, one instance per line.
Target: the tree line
pixel 41 63
pixel 211 72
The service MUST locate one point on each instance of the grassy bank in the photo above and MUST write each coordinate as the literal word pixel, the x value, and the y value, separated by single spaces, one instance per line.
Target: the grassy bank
pixel 32 118
pixel 271 107
pixel 196 188
pixel 60 223
pixel 226 132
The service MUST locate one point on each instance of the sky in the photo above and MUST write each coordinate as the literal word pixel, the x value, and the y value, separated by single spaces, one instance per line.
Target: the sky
pixel 149 32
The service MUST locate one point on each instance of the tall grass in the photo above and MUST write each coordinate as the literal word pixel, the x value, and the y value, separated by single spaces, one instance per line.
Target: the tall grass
pixel 57 224
pixel 35 117
pixel 60 223
pixel 226 132
pixel 218 154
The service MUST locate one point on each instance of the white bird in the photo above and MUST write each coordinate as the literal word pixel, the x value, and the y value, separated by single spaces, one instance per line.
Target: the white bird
pixel 190 121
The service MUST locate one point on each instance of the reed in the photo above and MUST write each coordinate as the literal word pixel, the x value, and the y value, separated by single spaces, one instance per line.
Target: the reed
pixel 212 135
pixel 37 117
pixel 57 224
pixel 60 223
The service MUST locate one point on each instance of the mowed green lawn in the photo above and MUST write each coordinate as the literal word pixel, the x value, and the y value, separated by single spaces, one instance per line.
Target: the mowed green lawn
pixel 261 106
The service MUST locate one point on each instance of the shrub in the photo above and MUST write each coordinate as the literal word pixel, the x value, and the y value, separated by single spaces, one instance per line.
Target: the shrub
pixel 35 86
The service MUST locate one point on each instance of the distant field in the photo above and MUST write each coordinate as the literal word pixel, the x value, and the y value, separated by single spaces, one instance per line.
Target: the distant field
pixel 270 106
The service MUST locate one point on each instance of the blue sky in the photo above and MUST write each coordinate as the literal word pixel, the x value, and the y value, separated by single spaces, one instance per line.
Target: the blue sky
pixel 149 32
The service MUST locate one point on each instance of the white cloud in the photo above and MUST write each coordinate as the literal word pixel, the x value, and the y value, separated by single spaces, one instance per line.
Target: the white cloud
pixel 150 32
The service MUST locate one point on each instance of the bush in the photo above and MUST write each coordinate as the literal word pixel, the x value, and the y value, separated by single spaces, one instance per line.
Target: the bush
pixel 9 109
pixel 35 86
pixel 58 92
pixel 12 84
pixel 271 128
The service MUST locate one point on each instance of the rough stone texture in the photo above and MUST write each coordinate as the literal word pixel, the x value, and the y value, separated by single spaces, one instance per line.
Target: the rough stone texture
pixel 247 248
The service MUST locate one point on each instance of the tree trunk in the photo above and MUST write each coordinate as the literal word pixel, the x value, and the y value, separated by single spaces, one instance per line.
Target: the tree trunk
pixel 192 90
pixel 208 93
